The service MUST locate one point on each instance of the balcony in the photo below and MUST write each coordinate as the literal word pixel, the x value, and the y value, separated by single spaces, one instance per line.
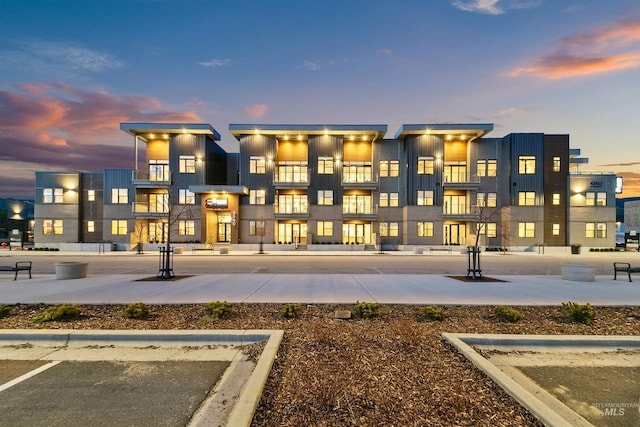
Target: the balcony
pixel 143 179
pixel 359 211
pixel 290 211
pixel 459 213
pixel 358 175
pixel 149 210
pixel 291 178
pixel 460 180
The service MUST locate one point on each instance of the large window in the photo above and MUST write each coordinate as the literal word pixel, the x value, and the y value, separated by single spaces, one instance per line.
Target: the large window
pixel 425 165
pixel 186 228
pixel 596 198
pixel 486 200
pixel 527 165
pixel 388 200
pixel 356 172
pixel 186 197
pixel 595 230
pixel 425 229
pixel 159 170
pixel 526 229
pixel 292 171
pixel 389 168
pixel 388 229
pixel 119 226
pixel 425 198
pixel 489 229
pixel 325 197
pixel 526 198
pixel 119 195
pixel 52 195
pixel 325 228
pixel 187 164
pixel 487 167
pixel 292 203
pixel 356 204
pixel 256 197
pixel 325 165
pixel 257 164
pixel 256 228
pixel 52 226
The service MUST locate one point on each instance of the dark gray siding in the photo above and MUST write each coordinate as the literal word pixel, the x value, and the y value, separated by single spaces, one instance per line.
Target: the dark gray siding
pixel 527 144
pixel 325 146
pixel 91 211
pixel 118 178
pixel 419 146
pixel 258 145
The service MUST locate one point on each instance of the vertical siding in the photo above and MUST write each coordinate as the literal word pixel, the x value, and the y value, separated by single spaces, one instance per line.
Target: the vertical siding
pixel 556 182
pixel 420 146
pixel 325 146
pixel 258 145
pixel 91 211
pixel 527 144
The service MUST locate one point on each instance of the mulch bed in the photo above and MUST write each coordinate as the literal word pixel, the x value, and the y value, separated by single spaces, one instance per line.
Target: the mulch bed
pixel 479 279
pixel 391 370
pixel 163 279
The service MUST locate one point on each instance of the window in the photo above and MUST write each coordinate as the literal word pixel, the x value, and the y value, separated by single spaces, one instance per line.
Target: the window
pixel 119 195
pixel 601 230
pixel 526 198
pixel 489 229
pixel 425 165
pixel 291 204
pixel 257 164
pixel 52 226
pixel 325 165
pixel 91 226
pixel 556 164
pixel 425 229
pixel 91 195
pixel 388 229
pixel 325 197
pixel 187 164
pixel 556 199
pixel 356 204
pixel 555 230
pixel 52 195
pixel 526 229
pixel 595 199
pixel 384 200
pixel 595 230
pixel 186 197
pixel 325 228
pixel 256 228
pixel 187 228
pixel 119 226
pixel 256 197
pixel 492 167
pixel 389 168
pixel 425 198
pixel 601 199
pixel 486 199
pixel 482 167
pixel 388 199
pixel 527 165
pixel 356 172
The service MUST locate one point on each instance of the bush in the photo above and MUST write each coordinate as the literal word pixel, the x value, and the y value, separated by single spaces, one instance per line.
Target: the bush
pixel 508 314
pixel 582 313
pixel 434 313
pixel 366 310
pixel 5 310
pixel 218 309
pixel 291 310
pixel 137 310
pixel 59 312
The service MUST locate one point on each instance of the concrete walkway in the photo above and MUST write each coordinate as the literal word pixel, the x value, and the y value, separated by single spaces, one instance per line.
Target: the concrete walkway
pixel 308 288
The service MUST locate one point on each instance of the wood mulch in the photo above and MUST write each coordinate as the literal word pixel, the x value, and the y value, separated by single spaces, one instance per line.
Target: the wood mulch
pixel 394 370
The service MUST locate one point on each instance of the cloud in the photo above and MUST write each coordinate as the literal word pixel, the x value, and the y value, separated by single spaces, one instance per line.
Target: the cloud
pixel 503 114
pixel 621 164
pixel 630 183
pixel 308 65
pixel 58 126
pixel 493 7
pixel 613 48
pixel 256 111
pixel 72 55
pixel 386 51
pixel 215 62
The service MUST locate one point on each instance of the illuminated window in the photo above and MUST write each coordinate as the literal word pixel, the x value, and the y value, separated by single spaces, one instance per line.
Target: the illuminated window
pixel 601 199
pixel 52 195
pixel 187 164
pixel 186 228
pixel 388 229
pixel 91 195
pixel 555 229
pixel 487 167
pixel 425 198
pixel 325 197
pixel 556 199
pixel 526 229
pixel 556 164
pixel 425 165
pixel 256 228
pixel 257 164
pixel 119 195
pixel 595 230
pixel 526 198
pixel 186 197
pixel 389 168
pixel 325 165
pixel 119 226
pixel 91 226
pixel 256 197
pixel 595 199
pixel 527 165
pixel 488 229
pixel 325 228
pixel 486 199
pixel 384 200
pixel 52 226
pixel 425 229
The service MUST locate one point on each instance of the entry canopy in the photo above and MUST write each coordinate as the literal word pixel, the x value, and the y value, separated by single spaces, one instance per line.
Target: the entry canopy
pixel 369 132
pixel 454 130
pixel 143 130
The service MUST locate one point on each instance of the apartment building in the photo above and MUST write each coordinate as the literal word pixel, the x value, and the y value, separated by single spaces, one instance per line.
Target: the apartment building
pixel 301 185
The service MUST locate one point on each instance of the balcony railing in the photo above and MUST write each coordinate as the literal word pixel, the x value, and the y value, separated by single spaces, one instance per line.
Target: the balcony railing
pixel 149 210
pixel 359 210
pixel 459 212
pixel 290 209
pixel 146 179
pixel 460 179
pixel 291 178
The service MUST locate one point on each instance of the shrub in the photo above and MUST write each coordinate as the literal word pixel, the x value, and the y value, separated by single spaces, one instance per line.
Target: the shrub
pixel 434 313
pixel 508 314
pixel 137 310
pixel 218 309
pixel 291 310
pixel 59 312
pixel 366 310
pixel 5 310
pixel 582 313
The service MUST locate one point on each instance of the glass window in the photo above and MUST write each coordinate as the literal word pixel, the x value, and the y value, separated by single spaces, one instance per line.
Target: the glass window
pixel 590 230
pixel 187 228
pixel 187 164
pixel 526 229
pixel 492 167
pixel 257 164
pixel 325 197
pixel 488 229
pixel 186 197
pixel 595 230
pixel 425 229
pixel 256 197
pixel 486 199
pixel 325 228
pixel 527 165
pixel 119 226
pixel 388 200
pixel 384 168
pixel 91 226
pixel 91 195
pixel 388 229
pixel 556 164
pixel 256 228
pixel 601 199
pixel 555 230
pixel 425 198
pixel 119 195
pixel 325 165
pixel 526 198
pixel 601 230
pixel 590 198
pixel 384 200
pixel 52 195
pixel 393 199
pixel 556 199
pixel 389 168
pixel 47 226
pixel 425 165
pixel 482 167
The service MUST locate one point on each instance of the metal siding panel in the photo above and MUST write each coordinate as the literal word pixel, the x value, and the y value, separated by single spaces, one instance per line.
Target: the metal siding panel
pixel 527 144
pixel 417 146
pixel 325 146
pixel 258 145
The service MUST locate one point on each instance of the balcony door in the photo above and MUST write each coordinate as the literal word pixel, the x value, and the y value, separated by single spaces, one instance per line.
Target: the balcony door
pixel 454 234
pixel 292 233
pixel 356 233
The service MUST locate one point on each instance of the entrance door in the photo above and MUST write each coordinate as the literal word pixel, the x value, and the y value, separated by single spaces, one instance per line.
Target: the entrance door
pixel 158 232
pixel 224 228
pixel 292 233
pixel 454 234
pixel 356 233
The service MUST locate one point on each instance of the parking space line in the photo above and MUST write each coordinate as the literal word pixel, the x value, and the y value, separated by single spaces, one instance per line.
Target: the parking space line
pixel 28 375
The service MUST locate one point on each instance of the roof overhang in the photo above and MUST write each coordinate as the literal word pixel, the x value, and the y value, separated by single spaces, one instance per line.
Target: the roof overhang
pixel 358 132
pixel 454 130
pixel 228 189
pixel 144 130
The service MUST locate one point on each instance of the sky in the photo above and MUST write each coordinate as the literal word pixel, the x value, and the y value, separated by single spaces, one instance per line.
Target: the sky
pixel 72 70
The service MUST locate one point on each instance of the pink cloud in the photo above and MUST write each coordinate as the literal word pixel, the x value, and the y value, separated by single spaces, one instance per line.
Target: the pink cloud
pixel 256 111
pixel 605 50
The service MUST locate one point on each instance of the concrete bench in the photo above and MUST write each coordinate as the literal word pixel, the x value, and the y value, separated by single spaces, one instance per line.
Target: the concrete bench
pixel 578 272
pixel 20 266
pixel 624 267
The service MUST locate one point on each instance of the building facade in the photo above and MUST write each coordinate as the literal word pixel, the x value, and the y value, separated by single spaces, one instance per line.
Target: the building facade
pixel 301 185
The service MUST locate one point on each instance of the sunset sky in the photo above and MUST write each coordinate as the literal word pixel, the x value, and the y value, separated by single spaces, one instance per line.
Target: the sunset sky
pixel 72 71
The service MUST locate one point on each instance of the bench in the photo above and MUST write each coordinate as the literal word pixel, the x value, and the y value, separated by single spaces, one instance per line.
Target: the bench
pixel 20 266
pixel 441 249
pixel 624 267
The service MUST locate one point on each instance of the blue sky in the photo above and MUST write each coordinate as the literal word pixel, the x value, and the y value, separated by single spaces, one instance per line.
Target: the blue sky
pixel 71 71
